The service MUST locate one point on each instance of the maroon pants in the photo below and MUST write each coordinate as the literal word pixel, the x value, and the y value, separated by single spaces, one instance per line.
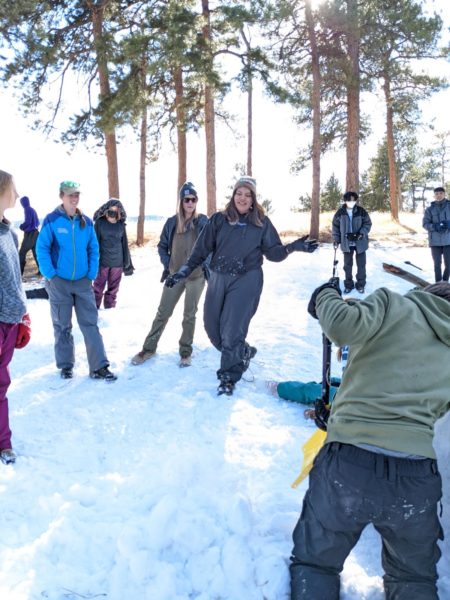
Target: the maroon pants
pixel 8 337
pixel 110 277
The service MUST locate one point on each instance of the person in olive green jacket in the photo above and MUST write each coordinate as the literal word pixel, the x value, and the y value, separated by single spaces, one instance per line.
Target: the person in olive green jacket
pixel 378 464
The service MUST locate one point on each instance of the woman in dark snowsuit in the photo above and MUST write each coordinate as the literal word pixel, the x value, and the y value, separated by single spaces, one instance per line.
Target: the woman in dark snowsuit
pixel 110 228
pixel 238 238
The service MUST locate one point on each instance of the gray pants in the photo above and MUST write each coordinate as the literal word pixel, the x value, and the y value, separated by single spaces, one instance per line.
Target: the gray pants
pixel 169 299
pixel 230 303
pixel 350 488
pixel 64 295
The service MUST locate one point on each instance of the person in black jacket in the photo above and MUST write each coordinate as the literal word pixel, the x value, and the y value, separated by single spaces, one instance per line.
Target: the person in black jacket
pixel 110 228
pixel 350 228
pixel 176 242
pixel 238 238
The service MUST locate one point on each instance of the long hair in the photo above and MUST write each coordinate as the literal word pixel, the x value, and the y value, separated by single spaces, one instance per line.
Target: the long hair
pixel 255 215
pixel 183 221
pixel 6 181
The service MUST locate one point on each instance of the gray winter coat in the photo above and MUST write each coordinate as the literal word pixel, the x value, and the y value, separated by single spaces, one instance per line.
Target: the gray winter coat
pixel 361 223
pixel 434 214
pixel 12 296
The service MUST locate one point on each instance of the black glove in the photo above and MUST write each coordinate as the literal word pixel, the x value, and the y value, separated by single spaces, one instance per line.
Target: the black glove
pixel 165 275
pixel 302 245
pixel 359 236
pixel 335 245
pixel 321 414
pixel 352 237
pixel 175 278
pixel 441 227
pixel 205 272
pixel 128 270
pixel 333 283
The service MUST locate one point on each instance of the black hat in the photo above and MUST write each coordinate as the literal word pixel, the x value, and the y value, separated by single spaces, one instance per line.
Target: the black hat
pixel 188 189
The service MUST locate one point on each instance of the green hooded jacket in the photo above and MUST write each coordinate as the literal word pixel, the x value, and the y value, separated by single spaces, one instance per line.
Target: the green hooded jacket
pixel 397 380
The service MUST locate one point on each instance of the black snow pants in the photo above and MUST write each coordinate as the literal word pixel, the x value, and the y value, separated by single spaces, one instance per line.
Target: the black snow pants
pixel 360 267
pixel 350 488
pixel 28 243
pixel 230 303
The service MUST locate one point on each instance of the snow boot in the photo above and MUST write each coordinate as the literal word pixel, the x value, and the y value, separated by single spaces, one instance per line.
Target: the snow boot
pixel 67 373
pixel 185 361
pixel 103 373
pixel 249 353
pixel 360 288
pixel 226 386
pixel 141 357
pixel 8 456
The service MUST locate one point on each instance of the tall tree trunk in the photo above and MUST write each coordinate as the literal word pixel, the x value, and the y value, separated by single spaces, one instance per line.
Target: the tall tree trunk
pixel 142 165
pixel 393 186
pixel 315 102
pixel 97 12
pixel 181 127
pixel 353 91
pixel 210 134
pixel 250 124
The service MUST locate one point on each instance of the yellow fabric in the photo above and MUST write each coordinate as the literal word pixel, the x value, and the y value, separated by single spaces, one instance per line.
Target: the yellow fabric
pixel 310 449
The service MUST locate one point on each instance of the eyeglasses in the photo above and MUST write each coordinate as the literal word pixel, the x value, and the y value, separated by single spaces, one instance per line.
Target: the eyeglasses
pixel 190 199
pixel 68 184
pixel 112 214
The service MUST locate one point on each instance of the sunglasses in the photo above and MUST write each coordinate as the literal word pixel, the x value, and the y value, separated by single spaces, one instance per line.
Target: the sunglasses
pixel 189 199
pixel 112 214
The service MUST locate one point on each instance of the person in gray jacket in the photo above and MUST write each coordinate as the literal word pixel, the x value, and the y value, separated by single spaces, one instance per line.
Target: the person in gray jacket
pixel 350 228
pixel 436 220
pixel 15 325
pixel 238 238
pixel 378 465
pixel 176 242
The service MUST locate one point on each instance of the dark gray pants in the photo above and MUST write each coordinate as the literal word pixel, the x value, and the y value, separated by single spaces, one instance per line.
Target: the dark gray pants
pixel 350 488
pixel 360 267
pixel 438 253
pixel 230 303
pixel 64 296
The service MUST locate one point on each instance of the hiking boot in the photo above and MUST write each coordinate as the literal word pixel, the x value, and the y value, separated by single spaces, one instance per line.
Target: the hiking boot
pixel 141 357
pixel 67 373
pixel 249 353
pixel 226 387
pixel 347 290
pixel 8 456
pixel 185 361
pixel 359 288
pixel 103 373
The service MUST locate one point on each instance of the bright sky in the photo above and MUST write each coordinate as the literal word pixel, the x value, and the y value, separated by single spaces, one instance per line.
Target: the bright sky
pixel 39 164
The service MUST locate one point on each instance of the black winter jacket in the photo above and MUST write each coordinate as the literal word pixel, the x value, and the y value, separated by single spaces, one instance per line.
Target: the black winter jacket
pixel 113 243
pixel 237 248
pixel 361 223
pixel 166 239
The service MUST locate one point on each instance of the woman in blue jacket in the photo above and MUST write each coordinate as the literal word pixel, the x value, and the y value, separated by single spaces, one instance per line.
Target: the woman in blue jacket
pixel 177 240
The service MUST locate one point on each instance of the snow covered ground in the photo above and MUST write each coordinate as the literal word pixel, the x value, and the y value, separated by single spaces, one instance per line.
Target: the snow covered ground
pixel 154 488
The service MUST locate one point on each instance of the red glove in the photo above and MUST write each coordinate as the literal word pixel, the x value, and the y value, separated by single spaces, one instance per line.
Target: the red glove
pixel 24 332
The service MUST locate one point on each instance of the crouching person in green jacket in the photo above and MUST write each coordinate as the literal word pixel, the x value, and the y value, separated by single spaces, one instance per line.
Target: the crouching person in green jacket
pixel 378 463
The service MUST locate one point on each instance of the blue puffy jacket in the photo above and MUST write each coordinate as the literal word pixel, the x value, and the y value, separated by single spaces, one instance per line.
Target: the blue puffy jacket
pixel 67 247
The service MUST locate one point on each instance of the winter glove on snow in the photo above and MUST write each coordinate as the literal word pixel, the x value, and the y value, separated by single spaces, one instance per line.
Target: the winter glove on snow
pixel 23 332
pixel 352 237
pixel 302 245
pixel 333 283
pixel 165 275
pixel 172 280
